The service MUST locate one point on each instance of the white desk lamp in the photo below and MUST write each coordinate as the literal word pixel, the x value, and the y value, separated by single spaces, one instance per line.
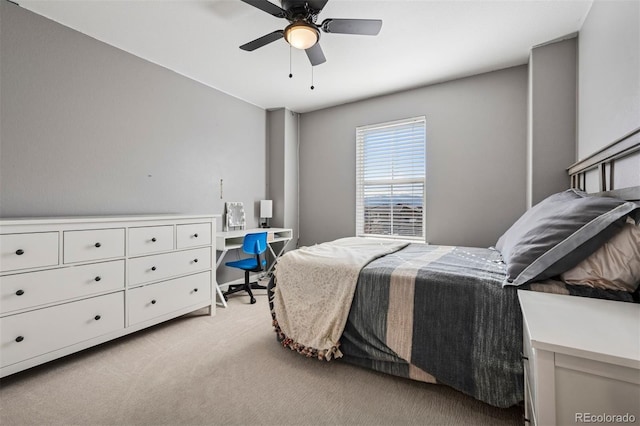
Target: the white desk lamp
pixel 266 213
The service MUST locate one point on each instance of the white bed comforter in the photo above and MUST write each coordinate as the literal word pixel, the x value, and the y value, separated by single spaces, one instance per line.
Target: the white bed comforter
pixel 315 287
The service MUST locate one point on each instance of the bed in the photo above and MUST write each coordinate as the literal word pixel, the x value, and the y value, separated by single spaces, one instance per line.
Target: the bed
pixel 450 315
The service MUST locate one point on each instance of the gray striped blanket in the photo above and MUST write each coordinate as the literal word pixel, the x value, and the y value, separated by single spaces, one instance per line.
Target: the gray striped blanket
pixel 439 314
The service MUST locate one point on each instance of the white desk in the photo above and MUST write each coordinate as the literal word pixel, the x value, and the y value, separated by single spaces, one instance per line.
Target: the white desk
pixel 231 240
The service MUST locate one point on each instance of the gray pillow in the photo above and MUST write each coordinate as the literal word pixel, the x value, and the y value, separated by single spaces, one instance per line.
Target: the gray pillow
pixel 559 232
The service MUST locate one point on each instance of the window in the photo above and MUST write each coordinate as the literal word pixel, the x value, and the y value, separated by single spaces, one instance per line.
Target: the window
pixel 390 179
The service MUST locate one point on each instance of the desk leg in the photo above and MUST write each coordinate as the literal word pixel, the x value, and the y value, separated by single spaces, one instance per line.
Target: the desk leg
pixel 276 257
pixel 223 302
pixel 219 261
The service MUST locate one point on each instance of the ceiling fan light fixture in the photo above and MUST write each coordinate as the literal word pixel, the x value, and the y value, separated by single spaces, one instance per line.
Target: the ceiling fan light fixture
pixel 301 35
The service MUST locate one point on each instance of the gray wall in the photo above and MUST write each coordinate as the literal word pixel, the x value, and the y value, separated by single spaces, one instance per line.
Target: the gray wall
pixel 282 166
pixel 551 139
pixel 275 163
pixel 89 129
pixel 291 145
pixel 609 74
pixel 476 148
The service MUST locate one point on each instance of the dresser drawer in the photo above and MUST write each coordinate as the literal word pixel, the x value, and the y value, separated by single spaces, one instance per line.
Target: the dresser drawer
pixel 161 266
pixel 145 303
pixel 34 333
pixel 587 386
pixel 94 244
pixel 31 289
pixel 150 239
pixel 33 250
pixel 193 234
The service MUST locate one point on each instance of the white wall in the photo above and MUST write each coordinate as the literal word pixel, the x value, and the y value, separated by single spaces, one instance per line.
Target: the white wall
pixel 476 147
pixel 609 74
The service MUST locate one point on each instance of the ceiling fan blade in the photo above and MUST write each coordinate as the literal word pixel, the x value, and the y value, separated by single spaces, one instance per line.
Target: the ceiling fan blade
pixel 317 4
pixel 267 6
pixel 352 26
pixel 262 41
pixel 316 55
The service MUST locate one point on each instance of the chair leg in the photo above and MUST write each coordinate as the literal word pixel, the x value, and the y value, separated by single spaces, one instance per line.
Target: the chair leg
pixel 247 287
pixel 257 286
pixel 233 288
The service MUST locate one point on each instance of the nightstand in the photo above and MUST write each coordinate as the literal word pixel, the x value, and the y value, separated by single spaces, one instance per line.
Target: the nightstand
pixel 581 359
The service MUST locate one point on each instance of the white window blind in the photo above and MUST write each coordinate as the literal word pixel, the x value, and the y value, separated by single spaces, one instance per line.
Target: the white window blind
pixel 390 179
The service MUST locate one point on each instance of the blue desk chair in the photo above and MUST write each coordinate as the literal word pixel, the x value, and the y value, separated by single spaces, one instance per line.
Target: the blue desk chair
pixel 254 244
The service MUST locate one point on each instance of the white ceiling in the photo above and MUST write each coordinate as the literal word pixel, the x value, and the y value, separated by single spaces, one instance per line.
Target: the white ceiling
pixel 421 43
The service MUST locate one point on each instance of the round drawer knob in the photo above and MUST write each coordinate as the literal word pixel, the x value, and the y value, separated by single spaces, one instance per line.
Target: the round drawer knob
pixel 98 278
pixel 19 252
pixel 19 292
pixel 98 245
pixel 195 290
pixel 154 239
pixel 195 235
pixel 97 317
pixel 19 339
pixel 195 260
pixel 153 302
pixel 153 268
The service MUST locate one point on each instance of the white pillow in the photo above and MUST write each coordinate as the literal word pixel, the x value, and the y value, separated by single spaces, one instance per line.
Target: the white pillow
pixel 614 266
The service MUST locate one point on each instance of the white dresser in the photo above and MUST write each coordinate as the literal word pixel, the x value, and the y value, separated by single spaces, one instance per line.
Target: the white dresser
pixel 581 359
pixel 70 283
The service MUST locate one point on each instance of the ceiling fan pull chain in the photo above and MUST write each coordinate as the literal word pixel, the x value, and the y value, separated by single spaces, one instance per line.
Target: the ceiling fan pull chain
pixel 290 73
pixel 312 86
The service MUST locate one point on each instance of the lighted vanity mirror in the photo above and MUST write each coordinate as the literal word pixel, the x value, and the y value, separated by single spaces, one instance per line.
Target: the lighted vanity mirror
pixel 235 218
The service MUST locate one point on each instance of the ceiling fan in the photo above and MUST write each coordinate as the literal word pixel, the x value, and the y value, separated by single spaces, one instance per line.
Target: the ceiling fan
pixel 303 32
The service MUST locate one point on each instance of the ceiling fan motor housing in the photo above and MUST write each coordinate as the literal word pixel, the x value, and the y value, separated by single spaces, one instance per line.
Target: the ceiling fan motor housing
pixel 300 10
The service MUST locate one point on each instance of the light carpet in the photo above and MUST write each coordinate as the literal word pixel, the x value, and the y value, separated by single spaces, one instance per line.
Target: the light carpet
pixel 225 370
